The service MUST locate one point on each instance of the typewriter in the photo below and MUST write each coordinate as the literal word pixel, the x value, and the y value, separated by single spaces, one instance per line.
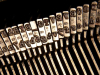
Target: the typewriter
pixel 49 38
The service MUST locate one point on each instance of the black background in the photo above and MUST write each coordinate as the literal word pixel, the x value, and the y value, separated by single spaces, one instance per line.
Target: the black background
pixel 13 12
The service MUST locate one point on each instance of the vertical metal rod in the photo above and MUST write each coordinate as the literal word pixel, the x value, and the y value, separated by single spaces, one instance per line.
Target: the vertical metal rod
pixel 77 55
pixel 66 63
pixel 61 51
pixel 58 59
pixel 97 51
pixel 37 69
pixel 50 47
pixel 70 57
pixel 61 42
pixel 12 68
pixel 1 72
pixel 28 61
pixel 94 44
pixel 45 49
pixel 98 38
pixel 12 56
pixel 92 57
pixel 19 69
pixel 24 55
pixel 97 30
pixel 26 73
pixel 1 59
pixel 53 64
pixel 19 56
pixel 23 65
pixel 56 54
pixel 42 66
pixel 7 71
pixel 86 60
pixel 29 53
pixel 34 51
pixel 8 61
pixel 56 45
pixel 29 64
pixel 40 52
pixel 79 60
pixel 51 59
pixel 47 63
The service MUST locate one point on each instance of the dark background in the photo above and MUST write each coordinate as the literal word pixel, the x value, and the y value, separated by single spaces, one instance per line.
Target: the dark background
pixel 13 12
